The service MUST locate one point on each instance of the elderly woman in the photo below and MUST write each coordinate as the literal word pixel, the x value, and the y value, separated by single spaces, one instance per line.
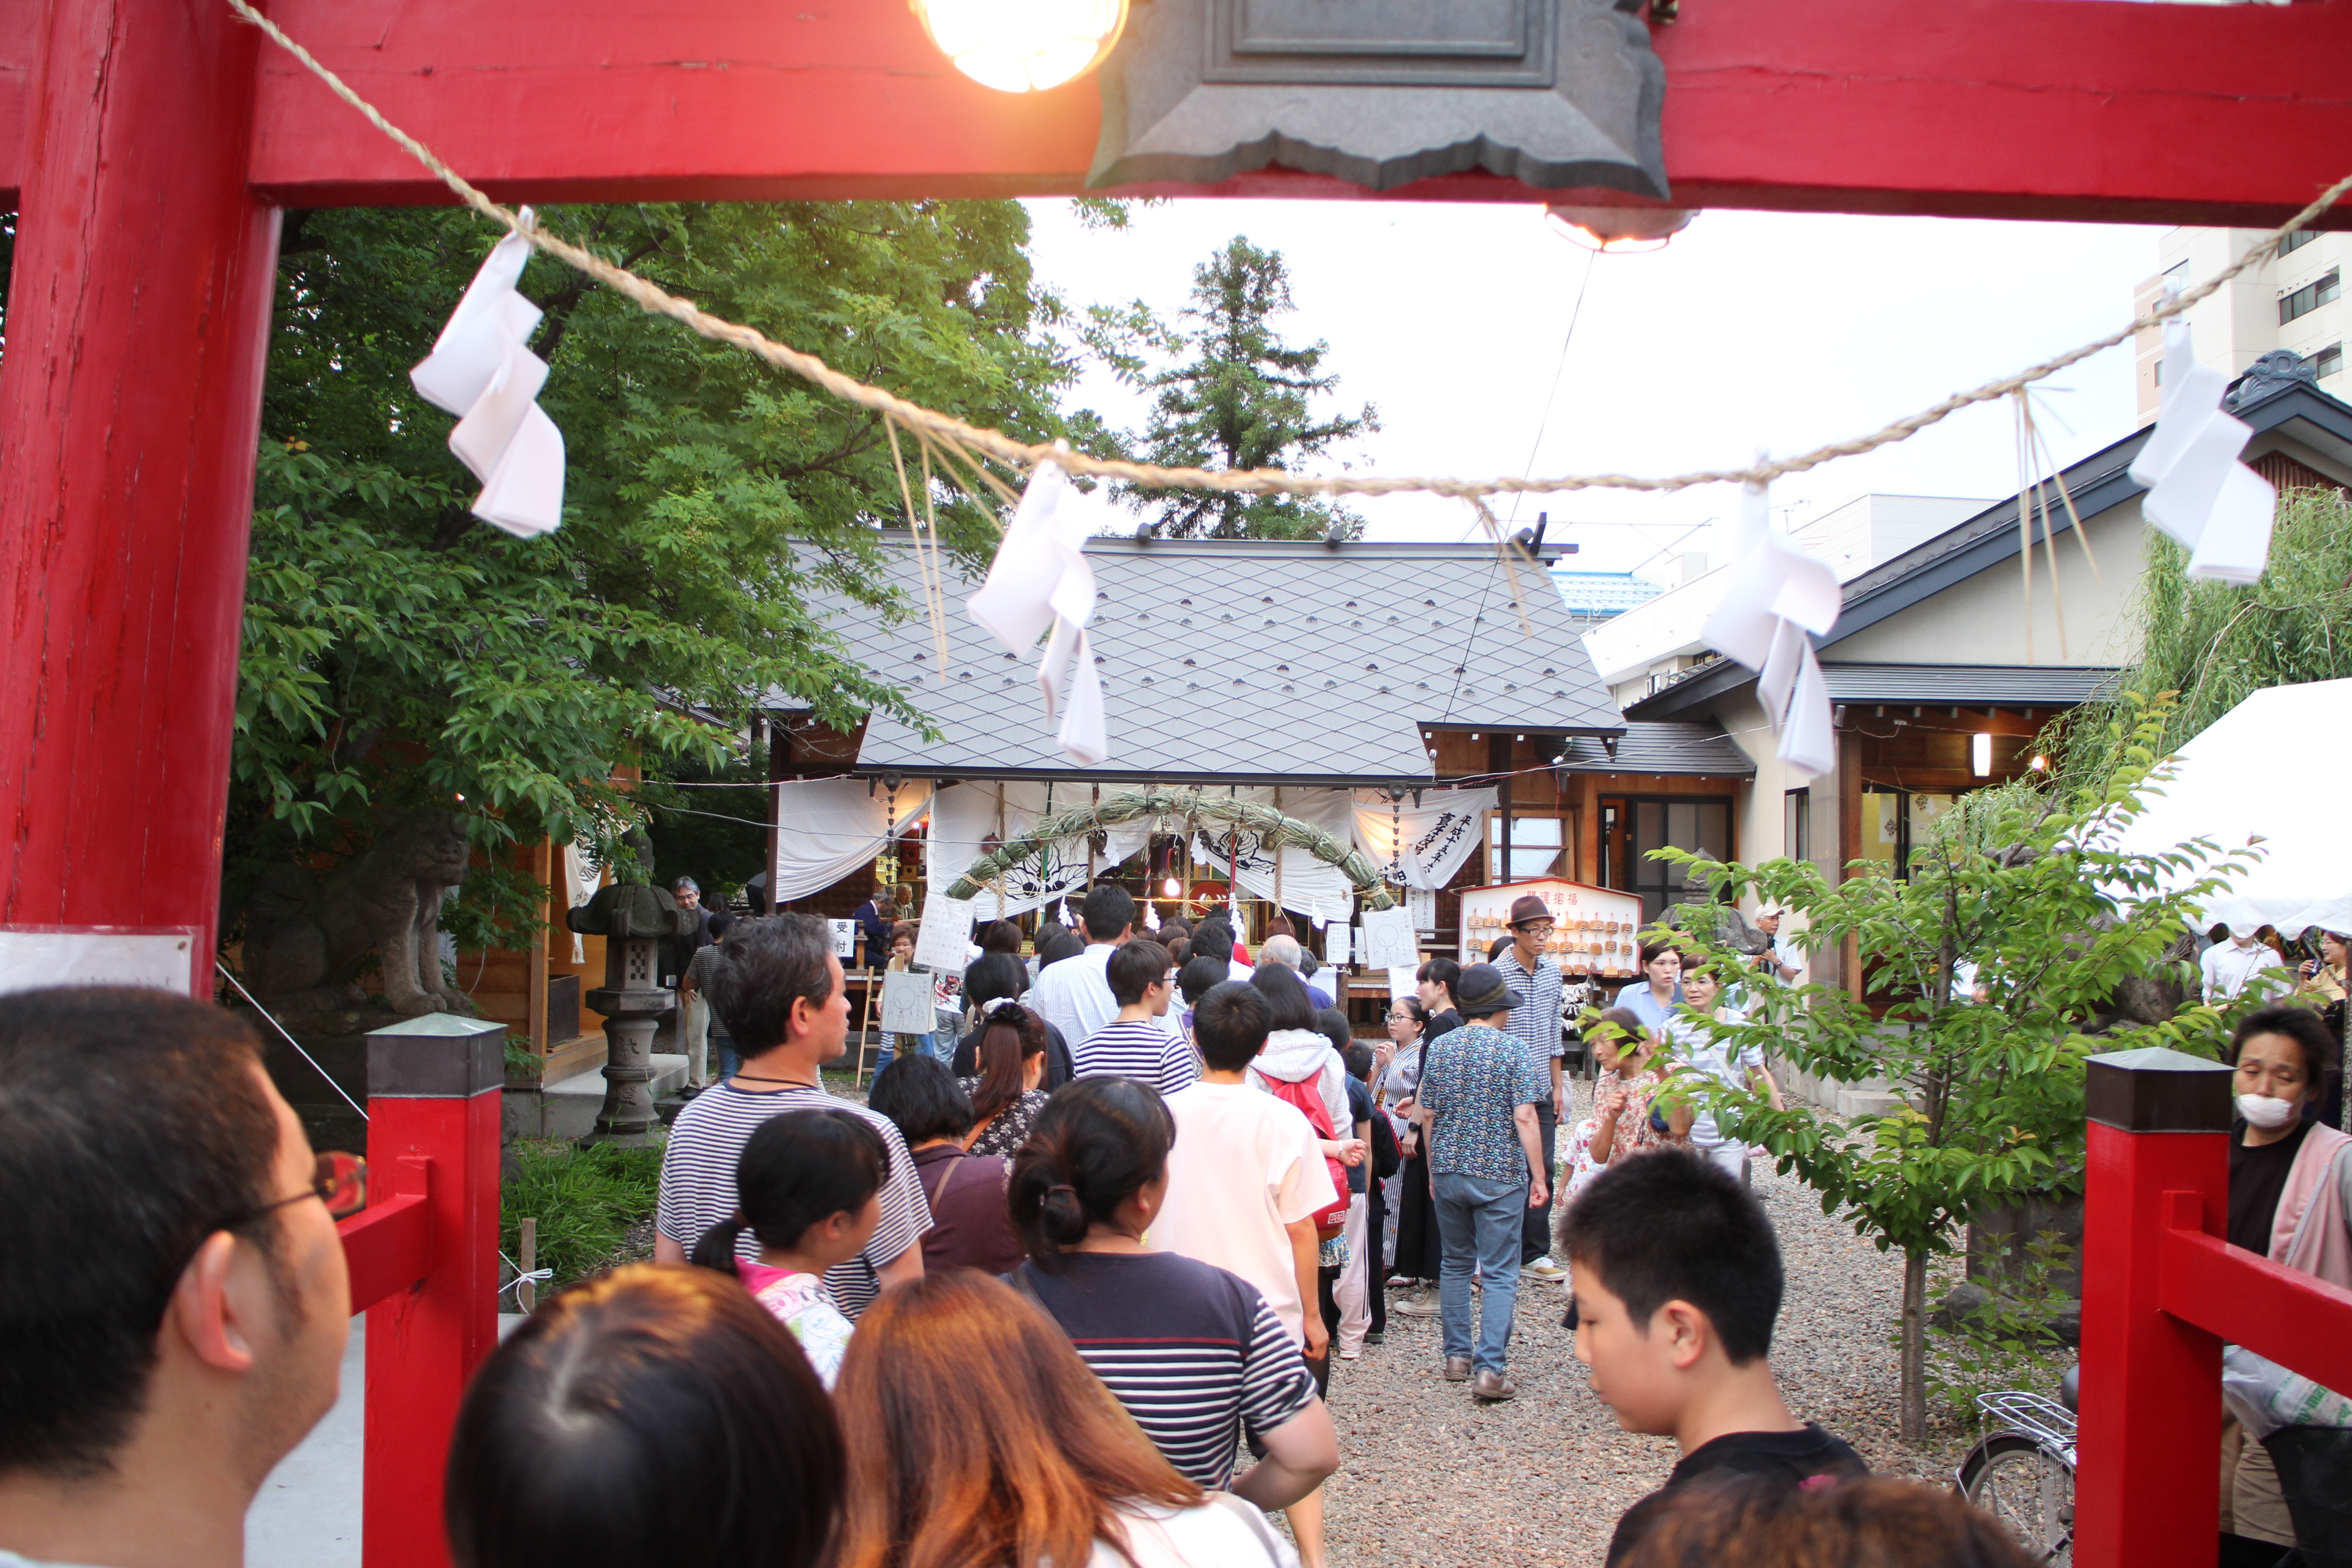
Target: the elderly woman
pixel 2291 1201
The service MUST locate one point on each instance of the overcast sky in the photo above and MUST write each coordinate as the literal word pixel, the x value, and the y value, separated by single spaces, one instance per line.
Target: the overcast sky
pixel 1750 330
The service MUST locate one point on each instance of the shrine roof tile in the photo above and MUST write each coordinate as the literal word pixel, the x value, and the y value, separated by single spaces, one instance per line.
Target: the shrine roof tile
pixel 1244 660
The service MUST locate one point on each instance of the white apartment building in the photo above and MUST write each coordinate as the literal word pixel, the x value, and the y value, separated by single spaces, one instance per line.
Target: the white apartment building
pixel 2293 301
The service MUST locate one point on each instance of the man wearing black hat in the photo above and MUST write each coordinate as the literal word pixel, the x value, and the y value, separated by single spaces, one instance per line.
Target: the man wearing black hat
pixel 1476 1103
pixel 1533 978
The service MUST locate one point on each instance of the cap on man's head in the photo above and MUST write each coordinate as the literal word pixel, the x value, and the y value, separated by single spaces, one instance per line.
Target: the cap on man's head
pixel 1528 907
pixel 1481 991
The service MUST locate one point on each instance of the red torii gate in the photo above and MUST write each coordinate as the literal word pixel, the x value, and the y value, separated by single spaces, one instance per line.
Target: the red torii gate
pixel 151 145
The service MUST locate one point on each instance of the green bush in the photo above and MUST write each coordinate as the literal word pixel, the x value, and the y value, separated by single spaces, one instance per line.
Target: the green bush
pixel 586 1200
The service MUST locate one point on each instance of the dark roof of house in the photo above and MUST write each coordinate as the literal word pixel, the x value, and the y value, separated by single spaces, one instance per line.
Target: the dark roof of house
pixel 1990 540
pixel 1246 660
pixel 1660 748
pixel 1997 685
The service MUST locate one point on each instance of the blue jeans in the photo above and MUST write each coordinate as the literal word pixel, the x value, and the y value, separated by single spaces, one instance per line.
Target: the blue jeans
pixel 1479 1222
pixel 729 1060
pixel 925 1043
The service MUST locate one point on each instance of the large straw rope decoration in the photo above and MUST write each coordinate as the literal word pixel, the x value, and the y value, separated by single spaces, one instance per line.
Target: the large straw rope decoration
pixel 1272 827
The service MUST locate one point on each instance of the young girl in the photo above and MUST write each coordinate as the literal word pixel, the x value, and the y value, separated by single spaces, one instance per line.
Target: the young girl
pixel 809 1185
pixel 1623 1124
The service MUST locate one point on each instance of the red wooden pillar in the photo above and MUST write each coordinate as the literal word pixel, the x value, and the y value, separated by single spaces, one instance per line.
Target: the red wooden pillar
pixel 2145 1488
pixel 432 1099
pixel 130 403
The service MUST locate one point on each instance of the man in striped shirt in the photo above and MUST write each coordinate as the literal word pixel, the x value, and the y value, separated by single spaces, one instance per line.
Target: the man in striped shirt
pixel 1137 1043
pixel 778 988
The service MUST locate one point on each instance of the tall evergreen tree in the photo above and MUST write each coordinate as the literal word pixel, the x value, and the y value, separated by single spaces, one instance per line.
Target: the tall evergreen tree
pixel 1243 399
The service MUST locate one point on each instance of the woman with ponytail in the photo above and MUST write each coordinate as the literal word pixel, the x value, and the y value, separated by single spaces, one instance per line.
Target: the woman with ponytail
pixel 1009 1062
pixel 1193 1351
pixel 810 1183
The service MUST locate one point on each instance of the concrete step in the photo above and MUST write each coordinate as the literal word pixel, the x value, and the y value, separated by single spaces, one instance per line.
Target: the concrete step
pixel 569 1106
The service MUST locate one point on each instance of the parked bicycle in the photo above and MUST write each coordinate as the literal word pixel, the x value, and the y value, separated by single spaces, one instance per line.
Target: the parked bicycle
pixel 2023 1470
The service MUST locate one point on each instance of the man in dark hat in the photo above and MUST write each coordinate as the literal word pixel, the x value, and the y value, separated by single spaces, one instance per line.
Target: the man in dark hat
pixel 1533 976
pixel 1476 1104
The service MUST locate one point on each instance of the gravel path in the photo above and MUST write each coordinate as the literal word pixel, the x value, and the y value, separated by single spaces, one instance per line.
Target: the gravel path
pixel 1431 1479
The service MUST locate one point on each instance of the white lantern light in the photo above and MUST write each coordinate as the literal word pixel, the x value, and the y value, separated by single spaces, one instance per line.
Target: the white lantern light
pixel 1172 888
pixel 1615 231
pixel 1023 46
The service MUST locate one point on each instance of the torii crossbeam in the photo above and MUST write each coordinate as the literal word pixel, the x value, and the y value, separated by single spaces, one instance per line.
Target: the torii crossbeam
pixel 151 145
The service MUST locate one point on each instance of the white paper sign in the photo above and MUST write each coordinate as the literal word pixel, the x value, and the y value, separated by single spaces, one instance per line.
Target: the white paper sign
pixel 1403 981
pixel 845 939
pixel 1388 939
pixel 946 933
pixel 1336 942
pixel 906 1003
pixel 158 961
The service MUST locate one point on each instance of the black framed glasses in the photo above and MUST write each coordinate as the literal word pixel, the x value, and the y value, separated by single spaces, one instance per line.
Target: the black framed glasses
pixel 338 1180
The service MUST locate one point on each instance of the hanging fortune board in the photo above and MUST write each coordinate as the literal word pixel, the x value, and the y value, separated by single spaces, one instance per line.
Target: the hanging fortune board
pixel 906 1003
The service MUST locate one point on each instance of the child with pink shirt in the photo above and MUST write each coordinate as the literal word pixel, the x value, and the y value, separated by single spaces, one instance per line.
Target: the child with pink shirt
pixel 809 1183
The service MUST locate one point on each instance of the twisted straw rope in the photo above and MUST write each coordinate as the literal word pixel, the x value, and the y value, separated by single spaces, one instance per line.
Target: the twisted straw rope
pixel 953 432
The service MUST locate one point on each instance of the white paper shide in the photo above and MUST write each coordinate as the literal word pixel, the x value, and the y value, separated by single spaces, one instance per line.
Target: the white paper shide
pixel 2219 508
pixel 1779 595
pixel 1040 578
pixel 480 371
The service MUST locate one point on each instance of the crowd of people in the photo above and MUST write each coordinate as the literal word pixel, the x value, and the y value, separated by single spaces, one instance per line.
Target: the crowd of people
pixel 1066 1289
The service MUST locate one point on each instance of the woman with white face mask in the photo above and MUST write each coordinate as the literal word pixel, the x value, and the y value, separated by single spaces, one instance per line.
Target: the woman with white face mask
pixel 2290 1200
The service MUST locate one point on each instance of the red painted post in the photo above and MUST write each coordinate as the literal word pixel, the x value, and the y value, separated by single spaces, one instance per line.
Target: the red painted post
pixel 129 407
pixel 432 1129
pixel 2145 1490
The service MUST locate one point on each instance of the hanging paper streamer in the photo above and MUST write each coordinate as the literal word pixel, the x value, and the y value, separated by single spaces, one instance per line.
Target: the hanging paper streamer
pixel 1041 578
pixel 479 371
pixel 2198 492
pixel 1777 595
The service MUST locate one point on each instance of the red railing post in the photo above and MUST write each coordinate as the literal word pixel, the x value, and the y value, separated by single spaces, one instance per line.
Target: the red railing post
pixel 433 1131
pixel 2148 1448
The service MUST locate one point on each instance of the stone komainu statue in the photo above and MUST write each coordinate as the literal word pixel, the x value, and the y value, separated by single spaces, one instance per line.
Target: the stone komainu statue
pixel 305 939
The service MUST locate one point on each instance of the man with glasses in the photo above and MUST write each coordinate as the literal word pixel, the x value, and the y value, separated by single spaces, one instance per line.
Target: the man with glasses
pixel 1533 976
pixel 173 1303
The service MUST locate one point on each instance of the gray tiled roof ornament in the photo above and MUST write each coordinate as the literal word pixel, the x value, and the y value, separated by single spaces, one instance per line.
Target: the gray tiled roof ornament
pixel 2274 372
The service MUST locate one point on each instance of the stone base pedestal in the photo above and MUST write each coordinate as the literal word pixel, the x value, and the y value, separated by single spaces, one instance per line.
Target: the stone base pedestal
pixel 628 1116
pixel 337 1043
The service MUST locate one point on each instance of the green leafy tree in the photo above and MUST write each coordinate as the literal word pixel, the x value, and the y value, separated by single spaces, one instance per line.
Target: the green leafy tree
pixel 2029 887
pixel 2216 644
pixel 1234 396
pixel 398 652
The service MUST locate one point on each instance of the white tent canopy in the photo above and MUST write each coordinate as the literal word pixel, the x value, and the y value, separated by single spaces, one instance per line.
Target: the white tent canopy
pixel 2266 769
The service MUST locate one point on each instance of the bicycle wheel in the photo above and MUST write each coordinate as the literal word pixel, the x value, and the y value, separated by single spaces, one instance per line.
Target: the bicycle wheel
pixel 2029 1488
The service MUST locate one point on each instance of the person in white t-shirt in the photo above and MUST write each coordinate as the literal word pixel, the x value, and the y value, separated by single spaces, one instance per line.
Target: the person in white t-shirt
pixel 1063 1474
pixel 1074 996
pixel 1782 957
pixel 1246 1180
pixel 2228 965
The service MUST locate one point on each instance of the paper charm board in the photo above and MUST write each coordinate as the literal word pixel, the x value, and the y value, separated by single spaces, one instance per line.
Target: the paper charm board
pixel 1598 929
pixel 907 1006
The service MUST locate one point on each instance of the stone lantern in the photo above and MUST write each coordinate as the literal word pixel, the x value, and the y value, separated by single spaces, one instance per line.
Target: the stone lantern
pixel 632 918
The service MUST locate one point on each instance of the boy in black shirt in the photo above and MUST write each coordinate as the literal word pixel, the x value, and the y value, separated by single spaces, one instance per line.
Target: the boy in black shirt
pixel 1677 1282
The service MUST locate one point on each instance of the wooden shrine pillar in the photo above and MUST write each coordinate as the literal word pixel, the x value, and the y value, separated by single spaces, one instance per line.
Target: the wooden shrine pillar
pixel 138 322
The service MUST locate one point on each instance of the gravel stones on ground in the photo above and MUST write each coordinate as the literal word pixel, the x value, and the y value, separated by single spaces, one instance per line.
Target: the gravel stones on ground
pixel 1429 1479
